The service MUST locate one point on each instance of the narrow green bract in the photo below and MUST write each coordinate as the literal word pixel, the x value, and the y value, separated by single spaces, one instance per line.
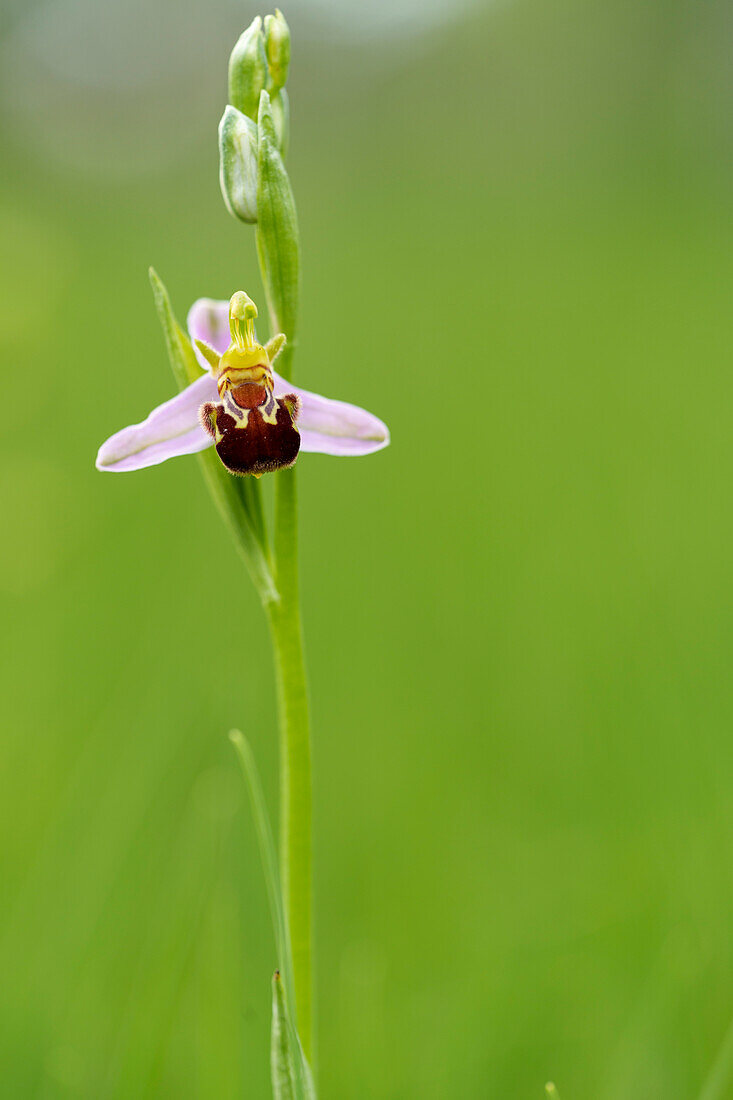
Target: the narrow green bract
pixel 277 233
pixel 280 106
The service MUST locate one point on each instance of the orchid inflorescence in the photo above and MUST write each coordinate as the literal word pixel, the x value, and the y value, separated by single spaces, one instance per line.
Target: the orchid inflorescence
pixel 257 421
pixel 244 420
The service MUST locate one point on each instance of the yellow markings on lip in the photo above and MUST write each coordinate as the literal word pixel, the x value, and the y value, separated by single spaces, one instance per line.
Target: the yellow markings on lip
pixel 258 439
pixel 232 375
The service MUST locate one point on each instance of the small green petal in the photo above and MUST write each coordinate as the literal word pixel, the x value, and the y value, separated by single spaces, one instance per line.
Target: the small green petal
pixel 275 346
pixel 212 358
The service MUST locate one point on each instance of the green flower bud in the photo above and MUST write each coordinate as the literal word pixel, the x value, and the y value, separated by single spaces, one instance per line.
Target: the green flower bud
pixel 277 48
pixel 248 73
pixel 238 164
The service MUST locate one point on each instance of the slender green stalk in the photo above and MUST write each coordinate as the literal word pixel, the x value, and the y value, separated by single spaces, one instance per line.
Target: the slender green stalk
pixel 295 752
pixel 278 252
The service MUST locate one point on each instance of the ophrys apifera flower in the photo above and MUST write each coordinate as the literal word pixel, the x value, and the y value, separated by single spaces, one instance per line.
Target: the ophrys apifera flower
pixel 256 420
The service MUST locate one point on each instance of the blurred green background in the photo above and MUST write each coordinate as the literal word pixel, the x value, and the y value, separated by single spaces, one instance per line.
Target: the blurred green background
pixel 518 250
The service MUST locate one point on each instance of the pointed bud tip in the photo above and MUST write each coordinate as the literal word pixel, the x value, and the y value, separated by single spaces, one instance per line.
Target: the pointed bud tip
pixel 250 33
pixel 248 70
pixel 277 48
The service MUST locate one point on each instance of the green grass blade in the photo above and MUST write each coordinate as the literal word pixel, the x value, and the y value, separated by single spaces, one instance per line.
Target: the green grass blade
pixel 717 1083
pixel 268 855
pixel 290 1067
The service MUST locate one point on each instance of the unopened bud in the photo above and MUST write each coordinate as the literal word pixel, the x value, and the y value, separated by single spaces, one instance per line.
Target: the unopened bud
pixel 277 49
pixel 248 69
pixel 238 164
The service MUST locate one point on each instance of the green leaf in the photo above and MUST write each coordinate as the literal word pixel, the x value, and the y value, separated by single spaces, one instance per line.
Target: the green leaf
pixel 240 506
pixel 183 362
pixel 278 246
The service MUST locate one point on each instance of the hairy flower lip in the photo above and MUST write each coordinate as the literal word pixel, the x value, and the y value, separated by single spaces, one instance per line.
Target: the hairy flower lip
pixel 326 426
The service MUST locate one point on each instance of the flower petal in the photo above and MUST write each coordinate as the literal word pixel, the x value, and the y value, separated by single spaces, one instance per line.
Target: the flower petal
pixel 171 429
pixel 208 320
pixel 334 427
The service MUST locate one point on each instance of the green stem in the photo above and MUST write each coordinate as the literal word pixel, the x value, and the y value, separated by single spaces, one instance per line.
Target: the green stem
pixel 278 252
pixel 295 752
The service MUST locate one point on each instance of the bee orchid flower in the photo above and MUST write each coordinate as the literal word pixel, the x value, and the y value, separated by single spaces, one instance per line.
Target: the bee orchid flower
pixel 256 420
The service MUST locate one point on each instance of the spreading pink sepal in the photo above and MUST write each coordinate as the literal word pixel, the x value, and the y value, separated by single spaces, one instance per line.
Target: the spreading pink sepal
pixel 172 429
